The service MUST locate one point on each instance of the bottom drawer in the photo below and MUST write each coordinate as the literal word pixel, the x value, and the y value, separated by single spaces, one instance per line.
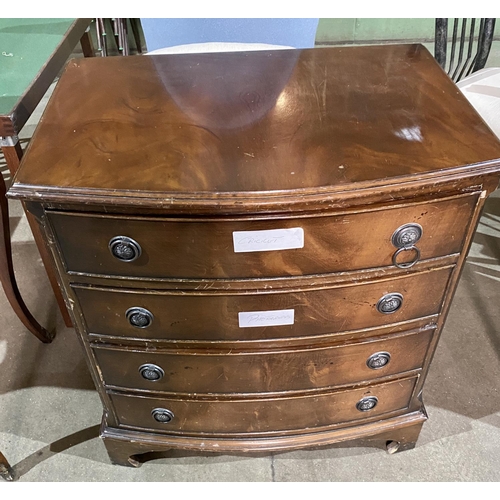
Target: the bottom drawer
pixel 250 416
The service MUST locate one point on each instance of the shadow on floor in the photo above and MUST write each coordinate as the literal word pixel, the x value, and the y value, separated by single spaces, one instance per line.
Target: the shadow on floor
pixel 52 449
pixel 465 372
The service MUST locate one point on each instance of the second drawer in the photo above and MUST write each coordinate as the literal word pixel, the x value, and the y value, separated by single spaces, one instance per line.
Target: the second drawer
pixel 254 315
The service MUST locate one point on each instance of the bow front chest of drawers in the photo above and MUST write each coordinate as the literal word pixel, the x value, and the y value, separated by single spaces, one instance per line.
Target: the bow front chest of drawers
pixel 259 249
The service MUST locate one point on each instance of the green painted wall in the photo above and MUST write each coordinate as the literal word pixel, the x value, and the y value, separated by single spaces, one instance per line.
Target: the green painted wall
pixel 368 29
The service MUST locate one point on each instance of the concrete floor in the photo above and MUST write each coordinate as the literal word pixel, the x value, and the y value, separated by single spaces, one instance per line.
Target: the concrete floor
pixel 50 412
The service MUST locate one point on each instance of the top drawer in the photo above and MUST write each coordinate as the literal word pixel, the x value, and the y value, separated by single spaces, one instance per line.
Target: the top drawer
pixel 226 247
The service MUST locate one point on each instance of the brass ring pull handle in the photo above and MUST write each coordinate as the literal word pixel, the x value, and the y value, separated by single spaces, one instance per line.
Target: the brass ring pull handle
pixel 404 239
pixel 406 265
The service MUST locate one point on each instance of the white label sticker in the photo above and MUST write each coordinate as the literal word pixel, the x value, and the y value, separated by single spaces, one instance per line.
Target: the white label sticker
pixel 266 318
pixel 267 240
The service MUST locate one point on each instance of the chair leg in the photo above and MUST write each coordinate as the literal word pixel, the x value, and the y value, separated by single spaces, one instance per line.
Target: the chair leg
pixel 13 154
pixel 101 36
pixel 7 276
pixel 5 469
pixel 134 24
pixel 87 45
pixel 123 32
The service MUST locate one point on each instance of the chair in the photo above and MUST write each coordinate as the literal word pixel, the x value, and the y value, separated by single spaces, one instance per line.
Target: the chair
pixel 34 52
pixel 471 42
pixel 166 35
pixel 5 469
pixel 117 29
pixel 476 34
pixel 181 36
pixel 482 89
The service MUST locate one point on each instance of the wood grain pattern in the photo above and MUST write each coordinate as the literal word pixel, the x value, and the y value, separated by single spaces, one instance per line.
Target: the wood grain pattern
pixel 208 316
pixel 232 371
pixel 327 339
pixel 200 248
pixel 126 446
pixel 300 413
pixel 208 126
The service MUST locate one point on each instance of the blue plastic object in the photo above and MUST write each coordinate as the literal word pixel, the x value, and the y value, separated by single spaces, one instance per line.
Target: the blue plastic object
pixel 299 33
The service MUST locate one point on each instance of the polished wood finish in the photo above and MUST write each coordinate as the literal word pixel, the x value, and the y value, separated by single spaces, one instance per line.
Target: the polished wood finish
pixel 213 370
pixel 178 153
pixel 317 311
pixel 305 413
pixel 214 128
pixel 191 248
pixel 127 448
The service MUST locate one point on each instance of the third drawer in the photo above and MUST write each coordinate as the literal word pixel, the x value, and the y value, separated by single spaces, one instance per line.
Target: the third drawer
pixel 211 371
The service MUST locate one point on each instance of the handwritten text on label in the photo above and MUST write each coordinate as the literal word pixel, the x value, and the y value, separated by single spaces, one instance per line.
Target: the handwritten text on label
pixel 266 318
pixel 268 240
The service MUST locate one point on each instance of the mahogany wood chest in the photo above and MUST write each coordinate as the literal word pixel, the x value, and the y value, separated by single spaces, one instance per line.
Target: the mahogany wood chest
pixel 259 249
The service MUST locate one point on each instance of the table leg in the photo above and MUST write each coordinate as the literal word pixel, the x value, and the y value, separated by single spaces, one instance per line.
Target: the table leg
pixel 13 154
pixel 7 276
pixel 134 24
pixel 87 45
pixel 100 28
pixel 5 469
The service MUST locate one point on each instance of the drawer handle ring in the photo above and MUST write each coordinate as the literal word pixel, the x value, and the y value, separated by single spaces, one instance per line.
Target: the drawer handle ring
pixel 367 404
pixel 150 372
pixel 124 248
pixel 390 303
pixel 406 265
pixel 139 317
pixel 378 360
pixel 162 415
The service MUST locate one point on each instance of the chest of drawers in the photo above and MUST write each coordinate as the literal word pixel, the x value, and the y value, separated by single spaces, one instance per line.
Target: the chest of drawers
pixel 259 250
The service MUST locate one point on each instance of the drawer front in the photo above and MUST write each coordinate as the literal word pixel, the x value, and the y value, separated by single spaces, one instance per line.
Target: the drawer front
pixel 250 372
pixel 262 415
pixel 206 249
pixel 210 316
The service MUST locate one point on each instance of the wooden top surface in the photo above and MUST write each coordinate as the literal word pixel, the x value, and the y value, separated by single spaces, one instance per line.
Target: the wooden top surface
pixel 225 126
